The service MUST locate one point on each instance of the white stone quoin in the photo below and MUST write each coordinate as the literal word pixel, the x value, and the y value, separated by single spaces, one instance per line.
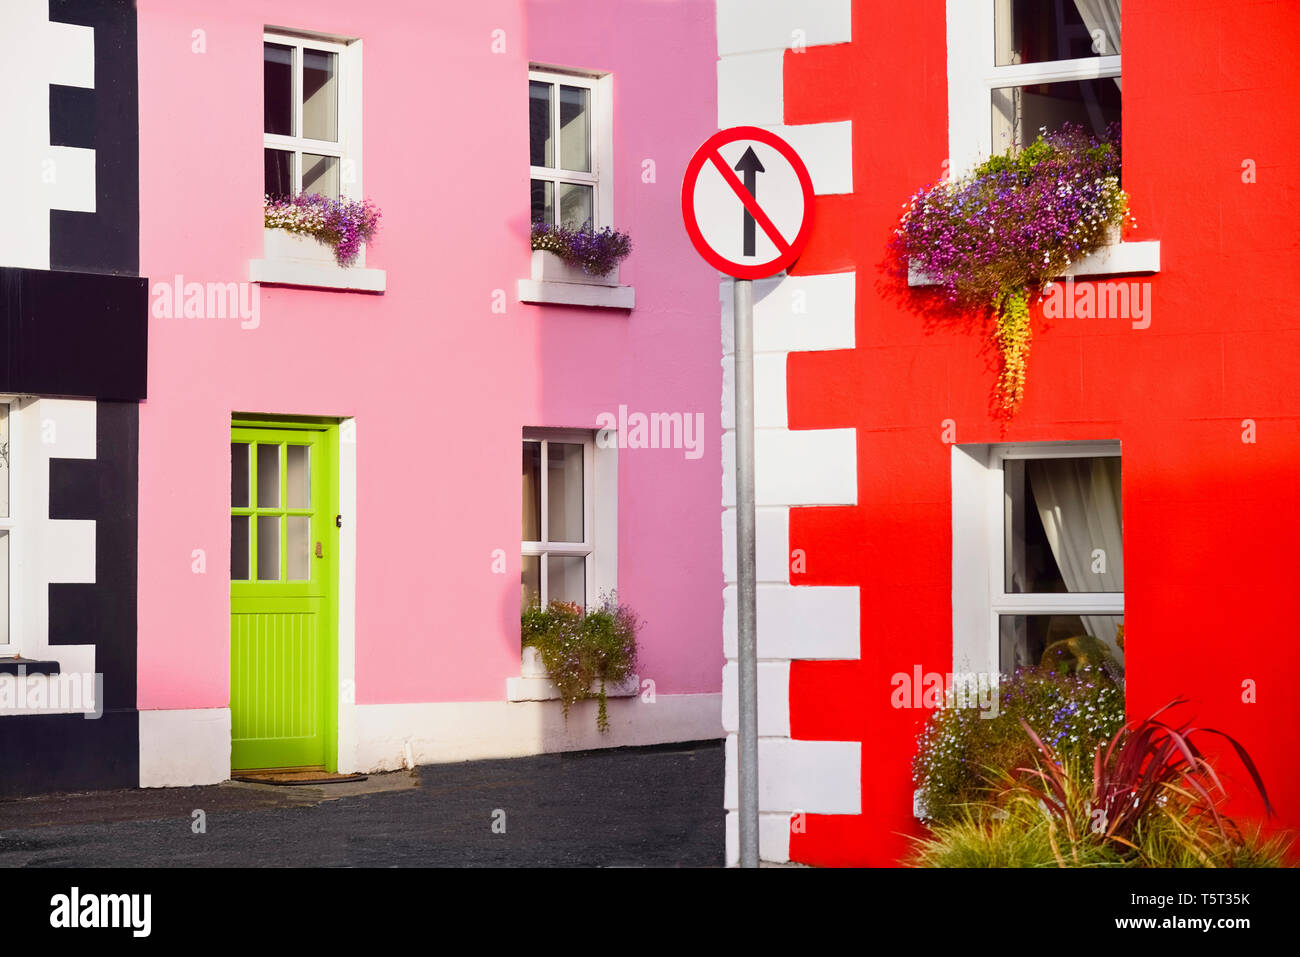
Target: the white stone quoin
pixel 36 53
pixel 793 467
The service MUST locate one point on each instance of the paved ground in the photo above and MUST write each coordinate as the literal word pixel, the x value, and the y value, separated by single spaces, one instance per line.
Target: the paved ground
pixel 634 807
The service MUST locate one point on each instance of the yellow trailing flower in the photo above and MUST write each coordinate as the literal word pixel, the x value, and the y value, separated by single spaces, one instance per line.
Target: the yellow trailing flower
pixel 1011 334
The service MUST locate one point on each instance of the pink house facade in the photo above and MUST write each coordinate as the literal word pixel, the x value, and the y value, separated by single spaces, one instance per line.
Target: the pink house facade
pixel 358 428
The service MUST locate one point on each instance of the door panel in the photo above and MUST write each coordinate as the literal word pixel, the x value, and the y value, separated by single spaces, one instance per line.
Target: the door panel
pixel 281 611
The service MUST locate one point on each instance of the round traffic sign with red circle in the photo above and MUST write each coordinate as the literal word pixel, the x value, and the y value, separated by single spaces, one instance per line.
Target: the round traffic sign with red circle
pixel 747 202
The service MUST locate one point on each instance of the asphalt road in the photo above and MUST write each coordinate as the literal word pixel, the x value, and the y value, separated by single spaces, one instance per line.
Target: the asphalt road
pixel 635 807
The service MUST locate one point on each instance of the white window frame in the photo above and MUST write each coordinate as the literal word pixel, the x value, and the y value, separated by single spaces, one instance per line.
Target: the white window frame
pixel 12 523
pixel 973 75
pixel 601 177
pixel 20 520
pixel 587 547
pixel 348 147
pixel 979 518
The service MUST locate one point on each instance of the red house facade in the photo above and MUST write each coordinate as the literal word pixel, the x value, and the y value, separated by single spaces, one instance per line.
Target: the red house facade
pixel 1172 422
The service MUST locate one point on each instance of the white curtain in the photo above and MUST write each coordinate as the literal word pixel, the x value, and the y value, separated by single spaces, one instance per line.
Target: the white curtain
pixel 1079 504
pixel 1102 15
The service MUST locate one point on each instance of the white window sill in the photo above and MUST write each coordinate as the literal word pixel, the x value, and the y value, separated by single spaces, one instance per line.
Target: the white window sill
pixel 1115 260
pixel 576 294
pixel 554 282
pixel 294 272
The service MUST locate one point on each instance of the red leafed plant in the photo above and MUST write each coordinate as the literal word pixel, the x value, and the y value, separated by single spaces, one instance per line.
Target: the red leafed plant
pixel 1150 767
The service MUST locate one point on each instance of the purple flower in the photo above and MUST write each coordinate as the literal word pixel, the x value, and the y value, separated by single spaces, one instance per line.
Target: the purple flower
pixel 1016 221
pixel 344 224
pixel 595 251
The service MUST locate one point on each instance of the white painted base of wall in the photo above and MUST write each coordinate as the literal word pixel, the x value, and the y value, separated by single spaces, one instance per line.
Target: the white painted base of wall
pixel 191 747
pixel 437 733
pixel 184 748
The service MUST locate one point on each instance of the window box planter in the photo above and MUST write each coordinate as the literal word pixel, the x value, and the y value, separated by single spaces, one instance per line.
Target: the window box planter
pixel 295 259
pixel 1012 226
pixel 294 255
pixel 532 666
pixel 534 684
pixel 549 267
pixel 597 644
pixel 560 282
pixel 1113 259
pixel 282 244
pixel 555 282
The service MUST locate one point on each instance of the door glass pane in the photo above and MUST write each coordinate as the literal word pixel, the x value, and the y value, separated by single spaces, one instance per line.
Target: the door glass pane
pixel 566 579
pixel 541 151
pixel 4 587
pixel 1062 642
pixel 531 582
pixel 320 174
pixel 575 204
pixel 268 548
pixel 532 491
pixel 239 475
pixel 543 201
pixel 1035 31
pixel 278 179
pixel 298 476
pixel 268 476
pixel 1020 111
pixel 564 492
pixel 298 546
pixel 239 556
pixel 277 89
pixel 575 128
pixel 320 95
pixel 4 460
pixel 1064 525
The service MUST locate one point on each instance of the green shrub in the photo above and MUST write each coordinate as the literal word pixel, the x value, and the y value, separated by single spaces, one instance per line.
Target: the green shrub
pixel 1165 841
pixel 581 648
pixel 962 756
pixel 1021 838
pixel 1028 837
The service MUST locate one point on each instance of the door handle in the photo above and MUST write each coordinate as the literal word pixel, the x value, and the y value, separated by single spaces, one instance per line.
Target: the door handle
pixel 319 553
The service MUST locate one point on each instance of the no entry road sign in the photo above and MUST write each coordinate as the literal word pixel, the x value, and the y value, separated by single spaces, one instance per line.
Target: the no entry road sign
pixel 747 202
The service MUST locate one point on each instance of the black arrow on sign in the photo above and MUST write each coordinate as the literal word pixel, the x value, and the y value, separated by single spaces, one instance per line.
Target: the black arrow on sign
pixel 751 166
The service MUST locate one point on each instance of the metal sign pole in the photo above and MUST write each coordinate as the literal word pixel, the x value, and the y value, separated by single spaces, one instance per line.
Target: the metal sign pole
pixel 745 573
pixel 710 205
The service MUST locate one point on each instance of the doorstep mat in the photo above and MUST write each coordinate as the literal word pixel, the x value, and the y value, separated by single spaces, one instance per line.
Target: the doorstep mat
pixel 295 776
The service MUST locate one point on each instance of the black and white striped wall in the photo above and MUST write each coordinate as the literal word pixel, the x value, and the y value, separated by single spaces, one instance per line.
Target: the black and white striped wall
pixel 73 352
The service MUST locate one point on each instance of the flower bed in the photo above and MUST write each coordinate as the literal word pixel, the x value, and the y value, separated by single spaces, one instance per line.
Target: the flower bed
pixel 596 252
pixel 1015 224
pixel 343 224
pixel 1147 797
pixel 962 753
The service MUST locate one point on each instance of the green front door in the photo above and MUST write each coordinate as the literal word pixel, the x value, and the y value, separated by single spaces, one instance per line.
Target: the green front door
pixel 282 648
